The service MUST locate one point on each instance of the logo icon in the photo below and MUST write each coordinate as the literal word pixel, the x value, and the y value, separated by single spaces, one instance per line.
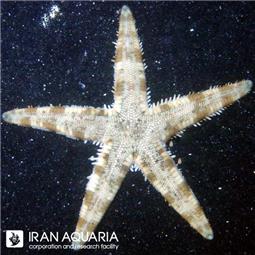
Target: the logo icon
pixel 14 238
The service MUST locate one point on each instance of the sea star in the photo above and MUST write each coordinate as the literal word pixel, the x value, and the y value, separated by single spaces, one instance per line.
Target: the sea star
pixel 133 132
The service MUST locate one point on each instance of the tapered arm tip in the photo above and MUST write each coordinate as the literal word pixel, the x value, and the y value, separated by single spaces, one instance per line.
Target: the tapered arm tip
pixel 248 85
pixel 7 116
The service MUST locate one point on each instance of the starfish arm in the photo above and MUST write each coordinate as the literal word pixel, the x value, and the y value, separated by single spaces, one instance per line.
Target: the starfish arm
pixel 129 75
pixel 159 168
pixel 110 169
pixel 85 123
pixel 180 113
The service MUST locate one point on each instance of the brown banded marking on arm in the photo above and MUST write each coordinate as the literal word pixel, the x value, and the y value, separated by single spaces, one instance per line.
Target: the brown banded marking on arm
pixel 104 182
pixel 85 123
pixel 188 110
pixel 161 171
pixel 129 76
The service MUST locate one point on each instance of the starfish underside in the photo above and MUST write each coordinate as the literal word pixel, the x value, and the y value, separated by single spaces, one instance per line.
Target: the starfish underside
pixel 133 132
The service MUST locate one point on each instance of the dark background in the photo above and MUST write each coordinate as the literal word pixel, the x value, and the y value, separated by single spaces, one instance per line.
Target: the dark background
pixel 188 47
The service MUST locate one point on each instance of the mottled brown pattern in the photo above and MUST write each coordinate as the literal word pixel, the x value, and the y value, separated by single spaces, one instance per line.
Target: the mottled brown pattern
pixel 197 97
pixel 78 134
pixel 151 177
pixel 49 125
pixel 31 110
pixel 188 216
pixel 105 156
pixel 99 170
pixel 88 198
pixel 101 112
pixel 184 189
pixel 161 151
pixel 168 164
pixel 118 54
pixel 198 212
pixel 26 122
pixel 89 111
pixel 172 130
pixel 226 100
pixel 81 222
pixel 57 110
pixel 143 85
pixel 133 132
pixel 138 55
pixel 91 226
pixel 119 88
pixel 169 198
pixel 133 35
pixel 124 168
pixel 164 107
